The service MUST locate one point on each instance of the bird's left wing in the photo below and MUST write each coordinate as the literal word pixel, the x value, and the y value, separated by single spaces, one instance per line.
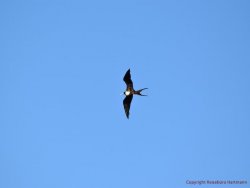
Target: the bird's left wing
pixel 127 79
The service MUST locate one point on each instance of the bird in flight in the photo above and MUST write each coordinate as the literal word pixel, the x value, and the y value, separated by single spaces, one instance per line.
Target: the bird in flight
pixel 129 92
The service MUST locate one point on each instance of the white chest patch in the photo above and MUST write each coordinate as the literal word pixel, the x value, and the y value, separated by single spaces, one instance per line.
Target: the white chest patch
pixel 127 93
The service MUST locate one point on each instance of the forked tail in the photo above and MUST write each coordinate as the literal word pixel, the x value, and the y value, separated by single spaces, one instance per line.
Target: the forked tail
pixel 138 92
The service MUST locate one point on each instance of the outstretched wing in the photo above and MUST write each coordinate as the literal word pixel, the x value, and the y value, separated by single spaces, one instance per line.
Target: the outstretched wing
pixel 127 79
pixel 126 104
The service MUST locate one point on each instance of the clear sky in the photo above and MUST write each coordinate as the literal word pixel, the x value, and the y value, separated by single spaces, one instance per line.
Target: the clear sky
pixel 62 123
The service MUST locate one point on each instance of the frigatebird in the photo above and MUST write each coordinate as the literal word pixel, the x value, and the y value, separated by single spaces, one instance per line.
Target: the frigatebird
pixel 129 92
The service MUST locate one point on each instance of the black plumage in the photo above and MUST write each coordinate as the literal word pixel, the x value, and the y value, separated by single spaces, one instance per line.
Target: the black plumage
pixel 126 103
pixel 129 92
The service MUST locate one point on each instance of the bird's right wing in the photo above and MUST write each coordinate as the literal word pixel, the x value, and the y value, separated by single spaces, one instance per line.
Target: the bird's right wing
pixel 127 103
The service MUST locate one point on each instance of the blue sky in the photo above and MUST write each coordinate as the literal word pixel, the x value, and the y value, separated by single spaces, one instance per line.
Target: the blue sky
pixel 62 119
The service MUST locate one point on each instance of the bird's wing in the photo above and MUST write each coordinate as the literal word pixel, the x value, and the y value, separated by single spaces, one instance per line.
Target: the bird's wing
pixel 127 79
pixel 126 104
